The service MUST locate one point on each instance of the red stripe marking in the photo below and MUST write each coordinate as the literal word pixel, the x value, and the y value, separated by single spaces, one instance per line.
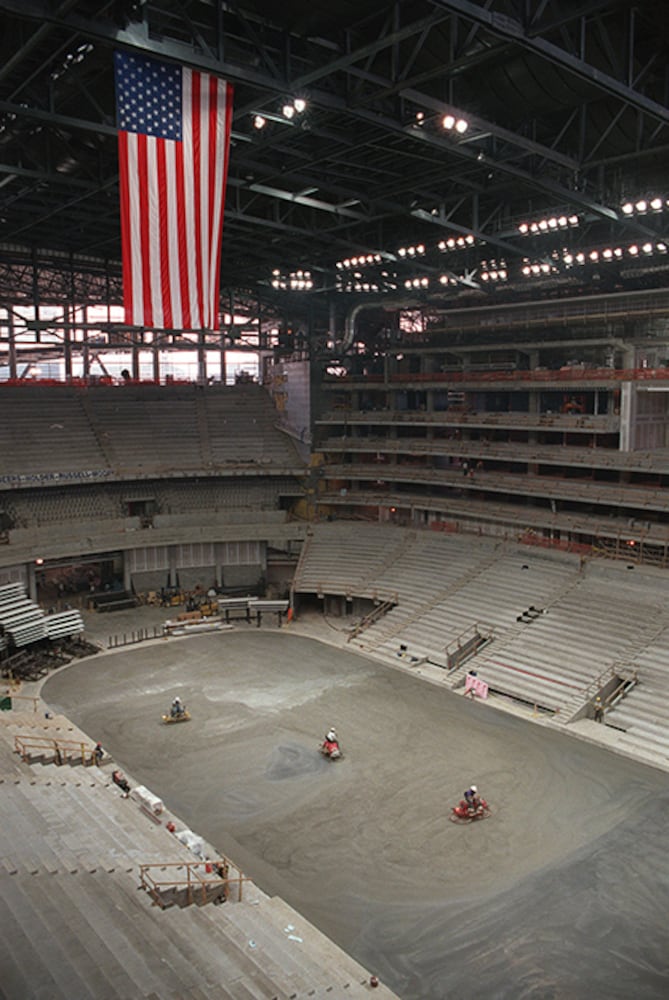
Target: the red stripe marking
pixel 165 283
pixel 143 248
pixel 530 673
pixel 126 250
pixel 197 198
pixel 182 238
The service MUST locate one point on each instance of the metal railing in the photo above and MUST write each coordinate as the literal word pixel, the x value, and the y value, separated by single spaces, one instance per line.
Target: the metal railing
pixel 467 644
pixel 23 697
pixel 208 880
pixel 64 751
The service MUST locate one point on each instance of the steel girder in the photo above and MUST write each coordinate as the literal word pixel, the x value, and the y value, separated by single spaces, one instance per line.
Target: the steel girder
pixel 364 175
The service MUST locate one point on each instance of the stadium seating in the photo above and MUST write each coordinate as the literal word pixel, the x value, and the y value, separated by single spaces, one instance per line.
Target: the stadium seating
pixel 71 849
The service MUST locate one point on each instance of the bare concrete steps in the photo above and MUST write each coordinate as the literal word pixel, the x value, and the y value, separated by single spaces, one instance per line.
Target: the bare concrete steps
pixel 260 956
pixel 197 958
pixel 342 971
pixel 259 924
pixel 81 952
pixel 652 742
pixel 51 964
pixel 118 920
pixel 64 825
pixel 237 960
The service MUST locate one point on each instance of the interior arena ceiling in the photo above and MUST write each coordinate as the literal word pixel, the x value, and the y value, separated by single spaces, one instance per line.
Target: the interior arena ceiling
pixel 566 111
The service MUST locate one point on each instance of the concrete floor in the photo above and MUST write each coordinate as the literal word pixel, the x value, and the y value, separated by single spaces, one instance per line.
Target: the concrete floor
pixel 563 893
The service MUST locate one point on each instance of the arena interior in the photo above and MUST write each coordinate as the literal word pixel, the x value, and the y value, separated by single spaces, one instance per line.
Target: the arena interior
pixel 412 483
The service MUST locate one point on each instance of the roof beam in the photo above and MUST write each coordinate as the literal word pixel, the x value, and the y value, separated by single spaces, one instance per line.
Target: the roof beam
pixel 506 135
pixel 507 27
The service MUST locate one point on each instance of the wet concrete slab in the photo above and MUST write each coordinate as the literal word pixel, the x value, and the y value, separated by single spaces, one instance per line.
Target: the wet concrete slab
pixel 562 893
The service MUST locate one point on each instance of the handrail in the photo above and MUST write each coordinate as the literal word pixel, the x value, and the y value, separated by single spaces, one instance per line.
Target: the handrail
pixel 501 375
pixel 466 645
pixel 381 609
pixel 24 697
pixel 478 628
pixel 199 876
pixel 63 750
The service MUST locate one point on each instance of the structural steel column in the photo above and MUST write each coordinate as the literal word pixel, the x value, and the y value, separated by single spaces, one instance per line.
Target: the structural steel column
pixel 12 343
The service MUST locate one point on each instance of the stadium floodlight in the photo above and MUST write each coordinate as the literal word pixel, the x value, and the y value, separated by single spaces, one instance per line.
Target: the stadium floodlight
pixel 300 105
pixel 448 122
pixel 627 208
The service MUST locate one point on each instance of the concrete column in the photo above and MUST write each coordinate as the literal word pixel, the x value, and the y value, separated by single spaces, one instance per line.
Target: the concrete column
pixel 12 343
pixel 127 574
pixel 627 415
pixel 219 549
pixel 67 343
pixel 201 359
pixel 172 558
pixel 136 347
pixel 32 582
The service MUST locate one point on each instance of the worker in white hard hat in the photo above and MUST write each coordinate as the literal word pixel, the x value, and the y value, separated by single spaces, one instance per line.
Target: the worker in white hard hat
pixel 472 798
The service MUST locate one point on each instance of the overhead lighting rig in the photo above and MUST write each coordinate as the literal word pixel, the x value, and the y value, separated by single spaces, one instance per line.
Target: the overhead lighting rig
pixel 355 281
pixel 549 224
pixel 290 108
pixel 293 281
pixel 448 121
pixel 643 206
pixel 72 58
pixel 412 251
pixel 451 123
pixel 363 260
pixel 493 271
pixel 458 243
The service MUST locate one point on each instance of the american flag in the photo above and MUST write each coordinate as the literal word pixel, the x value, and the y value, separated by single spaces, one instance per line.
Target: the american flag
pixel 174 136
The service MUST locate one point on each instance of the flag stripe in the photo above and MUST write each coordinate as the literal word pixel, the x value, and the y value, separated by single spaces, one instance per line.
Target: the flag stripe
pixel 223 118
pixel 142 217
pixel 187 319
pixel 164 252
pixel 173 318
pixel 189 204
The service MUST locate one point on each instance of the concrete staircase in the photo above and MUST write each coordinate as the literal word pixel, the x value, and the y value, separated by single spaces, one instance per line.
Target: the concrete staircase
pixel 76 926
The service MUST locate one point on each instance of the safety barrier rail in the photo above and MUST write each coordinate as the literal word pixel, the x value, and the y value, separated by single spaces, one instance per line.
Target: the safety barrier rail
pixel 467 644
pixel 211 880
pixel 64 751
pixel 567 375
pixel 23 697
